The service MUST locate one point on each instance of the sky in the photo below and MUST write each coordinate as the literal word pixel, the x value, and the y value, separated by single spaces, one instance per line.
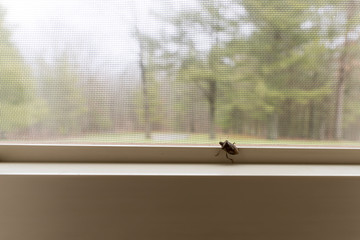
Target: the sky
pixel 98 32
pixel 100 27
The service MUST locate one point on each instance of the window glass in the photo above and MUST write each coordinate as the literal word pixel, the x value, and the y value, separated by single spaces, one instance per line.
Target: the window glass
pixel 280 72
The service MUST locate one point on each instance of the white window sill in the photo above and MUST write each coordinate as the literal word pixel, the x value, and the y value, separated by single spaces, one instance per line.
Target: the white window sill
pixel 122 169
pixel 40 153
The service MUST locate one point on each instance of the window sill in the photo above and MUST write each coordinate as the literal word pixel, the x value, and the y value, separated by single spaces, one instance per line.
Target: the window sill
pixel 122 169
pixel 146 154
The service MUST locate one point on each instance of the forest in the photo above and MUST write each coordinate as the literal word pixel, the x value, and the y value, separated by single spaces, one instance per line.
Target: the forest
pixel 254 69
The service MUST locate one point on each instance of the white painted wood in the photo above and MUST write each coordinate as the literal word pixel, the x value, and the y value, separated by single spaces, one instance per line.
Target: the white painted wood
pixel 121 169
pixel 70 207
pixel 174 154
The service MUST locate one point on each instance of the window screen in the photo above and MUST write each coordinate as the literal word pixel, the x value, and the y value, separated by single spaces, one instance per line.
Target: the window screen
pixel 280 72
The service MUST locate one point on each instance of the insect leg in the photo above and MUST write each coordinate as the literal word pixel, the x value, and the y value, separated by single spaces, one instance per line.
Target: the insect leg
pixel 218 153
pixel 232 160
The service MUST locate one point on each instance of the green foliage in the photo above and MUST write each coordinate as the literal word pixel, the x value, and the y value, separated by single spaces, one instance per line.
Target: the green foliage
pixel 155 104
pixel 151 67
pixel 97 105
pixel 251 67
pixel 19 107
pixel 282 66
pixel 64 96
pixel 280 73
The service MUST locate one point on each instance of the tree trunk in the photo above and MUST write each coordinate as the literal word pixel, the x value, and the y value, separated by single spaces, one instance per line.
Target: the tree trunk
pixel 192 120
pixel 322 130
pixel 145 90
pixel 339 104
pixel 142 67
pixel 273 126
pixel 311 121
pixel 145 98
pixel 212 108
pixel 343 71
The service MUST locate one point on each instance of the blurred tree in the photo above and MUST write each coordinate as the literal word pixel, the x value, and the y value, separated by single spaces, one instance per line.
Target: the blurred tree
pixel 150 112
pixel 214 22
pixel 97 98
pixel 65 98
pixel 146 46
pixel 19 106
pixel 348 31
pixel 289 62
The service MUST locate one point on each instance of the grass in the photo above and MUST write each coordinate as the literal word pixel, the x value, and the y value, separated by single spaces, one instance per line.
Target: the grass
pixel 189 139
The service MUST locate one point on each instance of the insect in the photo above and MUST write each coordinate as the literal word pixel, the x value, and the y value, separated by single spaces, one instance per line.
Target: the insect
pixel 229 148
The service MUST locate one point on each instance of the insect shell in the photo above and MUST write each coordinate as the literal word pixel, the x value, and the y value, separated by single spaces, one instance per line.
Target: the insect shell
pixel 229 148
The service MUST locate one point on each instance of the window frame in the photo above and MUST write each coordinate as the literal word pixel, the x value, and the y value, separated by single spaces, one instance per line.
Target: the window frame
pixel 66 153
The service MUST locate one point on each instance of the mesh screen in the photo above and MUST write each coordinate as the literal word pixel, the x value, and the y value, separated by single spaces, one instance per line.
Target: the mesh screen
pixel 279 72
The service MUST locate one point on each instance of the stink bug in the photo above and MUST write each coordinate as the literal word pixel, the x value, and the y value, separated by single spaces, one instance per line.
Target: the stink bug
pixel 229 148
